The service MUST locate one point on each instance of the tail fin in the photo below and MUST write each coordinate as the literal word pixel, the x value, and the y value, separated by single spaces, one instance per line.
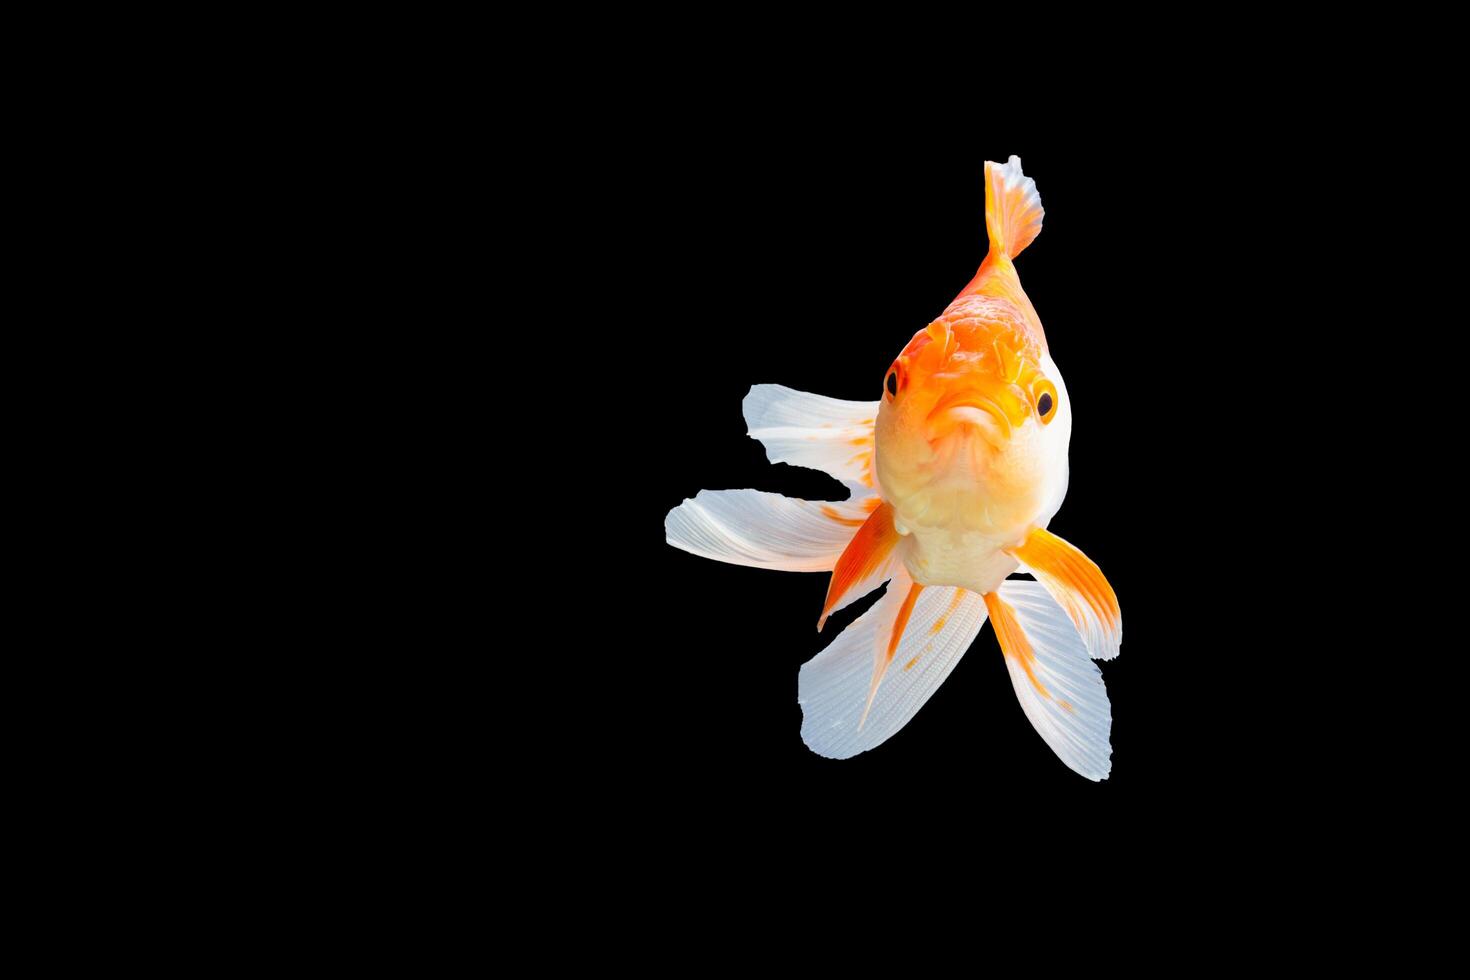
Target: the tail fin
pixel 1012 208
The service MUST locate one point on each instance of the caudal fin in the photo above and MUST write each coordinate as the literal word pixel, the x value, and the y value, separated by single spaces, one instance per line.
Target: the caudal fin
pixel 1012 208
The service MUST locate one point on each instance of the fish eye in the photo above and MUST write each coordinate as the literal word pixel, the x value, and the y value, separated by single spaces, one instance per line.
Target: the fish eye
pixel 1046 402
pixel 893 382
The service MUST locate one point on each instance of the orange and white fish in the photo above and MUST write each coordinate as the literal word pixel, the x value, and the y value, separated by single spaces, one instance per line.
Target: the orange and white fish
pixel 954 475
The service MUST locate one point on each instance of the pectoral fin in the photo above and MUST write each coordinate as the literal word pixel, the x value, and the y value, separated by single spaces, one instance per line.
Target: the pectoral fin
pixel 864 564
pixel 1078 586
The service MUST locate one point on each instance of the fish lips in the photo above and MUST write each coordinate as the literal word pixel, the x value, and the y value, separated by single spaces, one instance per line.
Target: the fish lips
pixel 974 412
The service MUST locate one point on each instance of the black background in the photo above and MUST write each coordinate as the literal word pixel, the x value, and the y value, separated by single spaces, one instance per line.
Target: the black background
pixel 806 251
pixel 1223 277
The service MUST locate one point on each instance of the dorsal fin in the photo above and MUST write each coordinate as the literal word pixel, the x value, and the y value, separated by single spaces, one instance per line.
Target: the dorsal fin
pixel 1013 210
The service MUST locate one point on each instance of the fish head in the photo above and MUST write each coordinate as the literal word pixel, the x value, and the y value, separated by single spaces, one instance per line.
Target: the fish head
pixel 972 430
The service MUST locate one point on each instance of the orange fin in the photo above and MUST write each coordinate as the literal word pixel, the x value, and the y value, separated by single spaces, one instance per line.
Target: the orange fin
pixel 1012 208
pixel 1078 586
pixel 867 556
pixel 900 621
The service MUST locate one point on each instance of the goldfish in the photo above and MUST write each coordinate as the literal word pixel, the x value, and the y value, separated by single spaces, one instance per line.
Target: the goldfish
pixel 953 476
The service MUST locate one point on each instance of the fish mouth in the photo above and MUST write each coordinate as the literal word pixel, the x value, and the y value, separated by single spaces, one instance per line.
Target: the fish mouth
pixel 974 411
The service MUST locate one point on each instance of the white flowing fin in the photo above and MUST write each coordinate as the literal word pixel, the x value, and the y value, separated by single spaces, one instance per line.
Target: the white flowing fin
pixel 815 431
pixel 835 686
pixel 1060 688
pixel 765 530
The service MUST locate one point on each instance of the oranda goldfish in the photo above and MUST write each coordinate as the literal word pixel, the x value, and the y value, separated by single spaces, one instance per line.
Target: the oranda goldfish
pixel 954 474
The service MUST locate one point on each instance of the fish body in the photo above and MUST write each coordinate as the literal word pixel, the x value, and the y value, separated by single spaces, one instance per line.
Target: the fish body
pixel 954 474
pixel 967 468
